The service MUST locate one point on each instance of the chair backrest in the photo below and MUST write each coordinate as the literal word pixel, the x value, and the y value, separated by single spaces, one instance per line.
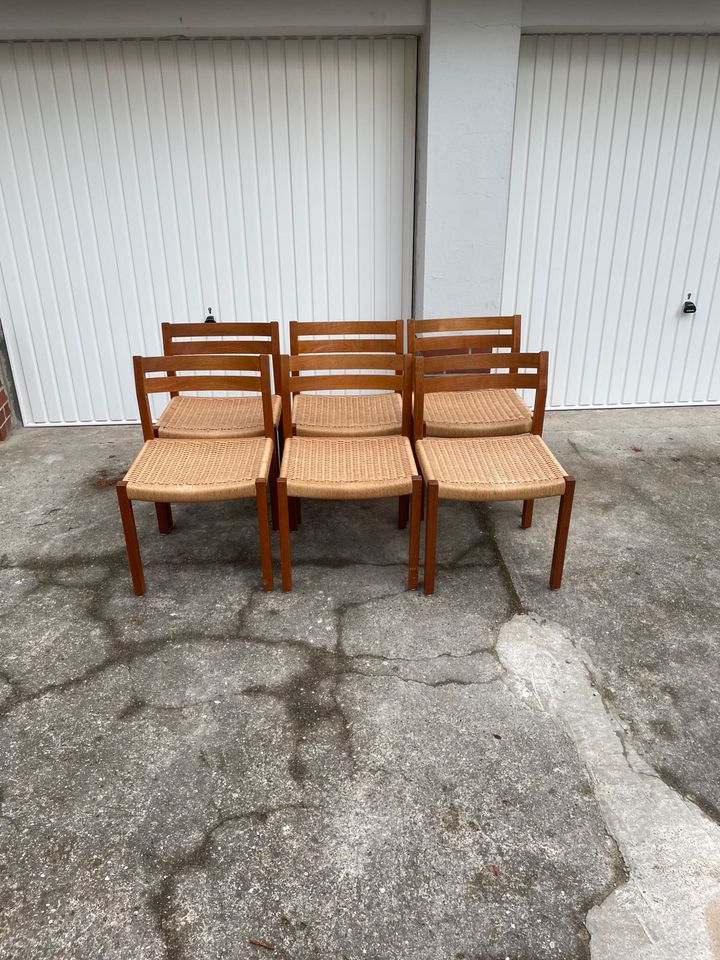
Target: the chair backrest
pixel 346 371
pixel 346 336
pixel 246 373
pixel 462 335
pixel 507 371
pixel 245 338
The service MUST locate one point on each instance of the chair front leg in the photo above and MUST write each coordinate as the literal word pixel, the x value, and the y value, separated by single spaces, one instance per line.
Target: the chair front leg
pixel 131 540
pixel 284 515
pixel 527 513
pixel 264 533
pixel 164 517
pixel 415 511
pixel 431 535
pixel 561 533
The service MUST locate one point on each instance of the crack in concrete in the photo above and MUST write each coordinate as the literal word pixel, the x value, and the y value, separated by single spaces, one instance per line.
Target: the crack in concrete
pixel 671 849
pixel 162 903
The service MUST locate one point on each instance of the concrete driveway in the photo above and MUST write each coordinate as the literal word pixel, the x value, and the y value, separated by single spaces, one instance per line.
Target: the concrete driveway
pixel 351 770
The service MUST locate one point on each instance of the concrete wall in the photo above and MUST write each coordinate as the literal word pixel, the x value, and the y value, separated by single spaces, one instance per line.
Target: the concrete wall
pixel 465 125
pixel 621 16
pixel 77 19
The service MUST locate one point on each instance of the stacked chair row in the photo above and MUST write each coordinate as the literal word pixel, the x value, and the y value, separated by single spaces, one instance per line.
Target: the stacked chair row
pixel 347 415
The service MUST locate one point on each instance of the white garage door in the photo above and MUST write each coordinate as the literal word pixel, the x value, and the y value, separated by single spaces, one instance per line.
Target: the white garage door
pixel 615 216
pixel 143 181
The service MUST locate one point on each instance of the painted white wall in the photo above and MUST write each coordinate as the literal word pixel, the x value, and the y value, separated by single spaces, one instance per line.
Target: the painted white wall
pixel 467 78
pixel 627 16
pixel 78 19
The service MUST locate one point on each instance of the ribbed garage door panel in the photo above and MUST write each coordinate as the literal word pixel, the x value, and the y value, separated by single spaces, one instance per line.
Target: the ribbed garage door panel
pixel 615 216
pixel 143 181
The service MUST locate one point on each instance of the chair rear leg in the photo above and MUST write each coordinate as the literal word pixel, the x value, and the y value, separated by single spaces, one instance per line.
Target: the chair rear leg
pixel 274 471
pixel 131 541
pixel 431 535
pixel 403 511
pixel 527 513
pixel 164 517
pixel 561 533
pixel 264 533
pixel 284 515
pixel 294 508
pixel 415 510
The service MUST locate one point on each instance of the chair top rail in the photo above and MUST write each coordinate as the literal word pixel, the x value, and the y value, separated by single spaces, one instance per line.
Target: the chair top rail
pixel 234 329
pixel 311 328
pixel 441 325
pixel 201 362
pixel 236 384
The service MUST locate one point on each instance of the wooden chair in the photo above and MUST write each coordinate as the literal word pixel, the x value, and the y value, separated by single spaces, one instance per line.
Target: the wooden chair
pixel 373 415
pixel 170 470
pixel 516 467
pixel 348 467
pixel 470 413
pixel 187 418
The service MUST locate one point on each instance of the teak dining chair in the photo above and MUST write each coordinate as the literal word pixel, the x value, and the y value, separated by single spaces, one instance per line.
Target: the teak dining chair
pixel 516 467
pixel 170 470
pixel 354 415
pixel 470 413
pixel 348 467
pixel 186 418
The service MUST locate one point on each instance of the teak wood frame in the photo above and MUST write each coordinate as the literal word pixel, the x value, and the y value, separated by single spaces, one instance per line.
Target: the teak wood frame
pixel 346 336
pixel 237 363
pixel 296 376
pixel 237 380
pixel 246 339
pixel 464 334
pixel 447 373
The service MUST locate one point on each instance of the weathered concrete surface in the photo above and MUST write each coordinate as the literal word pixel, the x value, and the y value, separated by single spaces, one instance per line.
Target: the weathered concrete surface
pixel 349 771
pixel 669 907
pixel 642 594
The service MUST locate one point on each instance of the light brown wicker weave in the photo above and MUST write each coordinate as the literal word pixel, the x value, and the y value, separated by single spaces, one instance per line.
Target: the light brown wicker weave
pixel 343 468
pixel 491 468
pixel 176 471
pixel 476 413
pixel 359 415
pixel 187 417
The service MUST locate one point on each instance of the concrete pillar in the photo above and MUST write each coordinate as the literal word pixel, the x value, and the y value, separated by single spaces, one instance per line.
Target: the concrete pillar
pixel 466 104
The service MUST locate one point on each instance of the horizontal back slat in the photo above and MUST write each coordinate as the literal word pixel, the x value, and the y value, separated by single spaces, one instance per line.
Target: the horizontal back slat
pixel 239 330
pixel 443 324
pixel 321 328
pixel 201 362
pixel 346 361
pixel 180 347
pixel 480 381
pixel 371 345
pixel 202 382
pixel 469 342
pixel 481 361
pixel 347 381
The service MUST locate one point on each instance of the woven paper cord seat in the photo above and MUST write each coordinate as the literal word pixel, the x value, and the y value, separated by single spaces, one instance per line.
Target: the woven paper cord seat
pixel 185 470
pixel 346 468
pixel 359 415
pixel 190 418
pixel 476 413
pixel 491 468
